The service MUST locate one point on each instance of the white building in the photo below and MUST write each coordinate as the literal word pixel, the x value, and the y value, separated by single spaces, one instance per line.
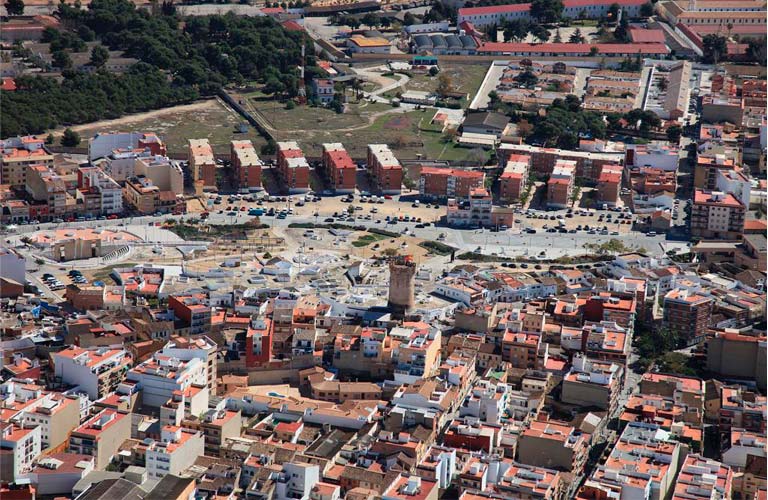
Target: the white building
pixel 296 480
pixel 177 450
pixel 25 444
pixel 659 156
pixel 110 191
pixel 13 266
pixel 159 376
pixel 97 372
pixel 736 183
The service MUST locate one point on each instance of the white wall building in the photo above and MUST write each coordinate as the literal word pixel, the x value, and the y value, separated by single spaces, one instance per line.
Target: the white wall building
pixel 177 450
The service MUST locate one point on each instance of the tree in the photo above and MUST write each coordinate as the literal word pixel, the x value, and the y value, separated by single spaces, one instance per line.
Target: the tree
pixel 558 37
pixel 547 11
pixel 409 19
pixel 715 48
pixel 61 59
pixel 370 19
pixel 99 56
pixel 70 139
pixel 540 33
pixel 576 37
pixel 527 78
pixel 613 12
pixel 516 29
pixel 756 50
pixel 269 148
pixel 444 85
pixel 674 133
pixel 622 31
pixel 646 10
pixel 14 7
pixel 433 71
pixel 49 140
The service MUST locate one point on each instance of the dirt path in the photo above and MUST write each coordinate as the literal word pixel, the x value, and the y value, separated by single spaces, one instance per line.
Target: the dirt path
pixel 137 117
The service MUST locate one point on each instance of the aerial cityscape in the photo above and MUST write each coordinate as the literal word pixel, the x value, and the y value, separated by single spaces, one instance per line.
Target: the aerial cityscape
pixel 383 250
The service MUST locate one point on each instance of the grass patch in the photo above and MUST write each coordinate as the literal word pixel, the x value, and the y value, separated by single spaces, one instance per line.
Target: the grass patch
pixel 103 273
pixel 478 257
pixel 367 239
pixel 437 248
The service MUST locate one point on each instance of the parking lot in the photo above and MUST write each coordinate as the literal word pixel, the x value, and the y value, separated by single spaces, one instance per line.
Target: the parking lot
pixel 587 221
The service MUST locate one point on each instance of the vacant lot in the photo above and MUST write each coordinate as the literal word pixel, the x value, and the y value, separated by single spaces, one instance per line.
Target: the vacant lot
pixel 363 124
pixel 209 119
pixel 464 78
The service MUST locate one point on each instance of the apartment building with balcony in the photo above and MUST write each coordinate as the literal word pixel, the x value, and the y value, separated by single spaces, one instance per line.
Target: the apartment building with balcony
pixel 164 173
pixel 731 354
pixel 55 413
pixel 561 184
pixel 384 169
pixel 47 187
pixel 217 427
pixel 246 165
pixel 292 167
pixel 662 156
pixel 477 211
pixel 142 195
pixel 339 168
pixel 543 160
pixel 97 372
pixel 742 409
pixel 418 356
pixel 443 183
pixel 686 390
pixel 592 383
pixel 17 154
pixel 514 179
pixel 687 313
pixel 202 348
pixel 708 167
pixel 109 192
pixel 717 215
pixel 609 184
pixel 20 446
pixel 177 450
pixel 202 162
pixel 101 436
pixel 742 445
pixel 158 377
pixel 554 445
pixel 192 310
pixel 522 349
pixel 702 477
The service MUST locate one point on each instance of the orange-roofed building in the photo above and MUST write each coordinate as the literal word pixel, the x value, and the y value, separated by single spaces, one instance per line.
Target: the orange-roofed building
pixel 384 169
pixel 176 451
pixel 339 168
pixel 687 313
pixel 561 183
pixel 97 372
pixel 609 184
pixel 717 215
pixel 514 180
pixel 554 445
pixel 292 167
pixel 437 182
pixel 202 163
pixel 101 436
pixel 704 478
pixel 246 164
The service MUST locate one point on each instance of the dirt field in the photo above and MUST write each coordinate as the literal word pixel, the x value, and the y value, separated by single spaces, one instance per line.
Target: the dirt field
pixel 209 119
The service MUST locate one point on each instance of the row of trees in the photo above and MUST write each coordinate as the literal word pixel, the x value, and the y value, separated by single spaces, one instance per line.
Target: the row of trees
pixel 41 103
pixel 209 52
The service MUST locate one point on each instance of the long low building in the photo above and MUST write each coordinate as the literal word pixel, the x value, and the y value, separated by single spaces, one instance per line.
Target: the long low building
pixel 592 9
pixel 572 49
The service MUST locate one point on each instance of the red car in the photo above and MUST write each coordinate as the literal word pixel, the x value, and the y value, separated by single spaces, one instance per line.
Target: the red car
pixel 112 217
pixel 387 197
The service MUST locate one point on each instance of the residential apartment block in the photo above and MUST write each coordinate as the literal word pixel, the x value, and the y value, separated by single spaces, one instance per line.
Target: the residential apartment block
pixel 101 436
pixel 561 184
pixel 202 163
pixel 339 168
pixel 246 165
pixel 384 169
pixel 436 182
pixel 514 179
pixel 292 167
pixel 717 215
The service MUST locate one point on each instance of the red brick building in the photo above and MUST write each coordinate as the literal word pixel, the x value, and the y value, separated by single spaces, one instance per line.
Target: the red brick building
pixel 292 167
pixel 687 313
pixel 514 179
pixel 609 184
pixel 717 215
pixel 339 168
pixel 384 169
pixel 246 164
pixel 560 185
pixel 193 310
pixel 588 164
pixel 436 182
